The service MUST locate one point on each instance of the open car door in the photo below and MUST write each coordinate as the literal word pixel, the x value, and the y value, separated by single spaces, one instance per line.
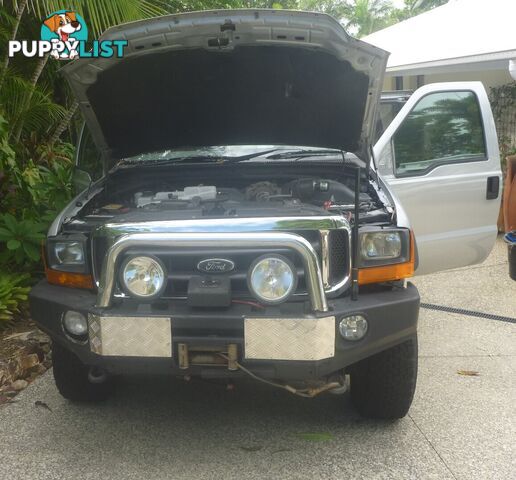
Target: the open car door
pixel 440 158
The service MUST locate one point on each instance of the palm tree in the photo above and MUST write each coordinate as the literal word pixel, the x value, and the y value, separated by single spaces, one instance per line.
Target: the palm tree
pixel 363 17
pixel 99 14
pixel 423 5
pixel 360 17
pixel 19 9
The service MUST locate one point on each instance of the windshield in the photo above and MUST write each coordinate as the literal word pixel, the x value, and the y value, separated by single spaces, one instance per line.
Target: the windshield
pixel 225 151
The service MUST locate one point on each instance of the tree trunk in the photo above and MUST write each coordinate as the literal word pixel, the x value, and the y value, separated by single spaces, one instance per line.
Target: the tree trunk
pixel 33 81
pixel 63 125
pixel 5 62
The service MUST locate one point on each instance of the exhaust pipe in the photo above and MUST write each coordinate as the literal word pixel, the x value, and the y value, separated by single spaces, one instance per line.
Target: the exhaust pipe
pixel 97 375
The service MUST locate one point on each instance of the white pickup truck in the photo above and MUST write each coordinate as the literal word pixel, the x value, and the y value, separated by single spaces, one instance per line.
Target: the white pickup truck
pixel 239 217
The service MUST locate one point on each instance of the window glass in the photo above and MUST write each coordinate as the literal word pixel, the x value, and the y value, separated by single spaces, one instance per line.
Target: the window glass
pixel 443 127
pixel 89 158
pixel 386 113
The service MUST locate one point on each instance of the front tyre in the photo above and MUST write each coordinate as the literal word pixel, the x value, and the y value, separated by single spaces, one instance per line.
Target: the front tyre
pixel 71 378
pixel 382 386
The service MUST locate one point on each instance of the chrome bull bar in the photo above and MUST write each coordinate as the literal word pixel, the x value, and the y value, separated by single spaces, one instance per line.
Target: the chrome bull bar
pixel 313 273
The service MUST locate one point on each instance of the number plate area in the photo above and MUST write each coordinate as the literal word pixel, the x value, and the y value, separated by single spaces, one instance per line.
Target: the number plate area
pixel 130 336
pixel 289 338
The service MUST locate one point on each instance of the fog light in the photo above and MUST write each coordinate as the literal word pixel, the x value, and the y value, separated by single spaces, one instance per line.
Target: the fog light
pixel 353 327
pixel 75 323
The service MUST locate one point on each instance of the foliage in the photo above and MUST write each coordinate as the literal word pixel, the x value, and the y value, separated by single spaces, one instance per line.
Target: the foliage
pixel 22 239
pixel 363 17
pixel 412 8
pixel 503 104
pixel 35 164
pixel 101 14
pixel 14 292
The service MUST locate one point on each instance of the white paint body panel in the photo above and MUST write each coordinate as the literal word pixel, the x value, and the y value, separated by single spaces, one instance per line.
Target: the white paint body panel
pixel 289 338
pixel 453 222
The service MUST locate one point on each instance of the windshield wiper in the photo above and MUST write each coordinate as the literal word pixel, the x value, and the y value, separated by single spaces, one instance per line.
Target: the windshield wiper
pixel 199 159
pixel 302 154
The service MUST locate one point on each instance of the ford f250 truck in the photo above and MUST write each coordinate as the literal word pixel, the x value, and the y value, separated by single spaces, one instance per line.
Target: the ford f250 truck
pixel 239 216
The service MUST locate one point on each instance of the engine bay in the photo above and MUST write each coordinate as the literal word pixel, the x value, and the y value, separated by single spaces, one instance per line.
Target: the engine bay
pixel 323 193
pixel 140 195
pixel 305 195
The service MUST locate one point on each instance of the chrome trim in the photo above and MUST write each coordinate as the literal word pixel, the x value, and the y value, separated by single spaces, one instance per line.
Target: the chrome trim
pixel 295 242
pixel 325 257
pixel 259 224
pixel 335 290
pixel 235 224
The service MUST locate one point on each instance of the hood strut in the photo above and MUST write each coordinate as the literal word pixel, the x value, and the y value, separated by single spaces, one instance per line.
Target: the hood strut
pixel 354 256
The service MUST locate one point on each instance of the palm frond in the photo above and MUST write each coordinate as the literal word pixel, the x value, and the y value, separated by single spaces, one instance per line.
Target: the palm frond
pixel 101 14
pixel 40 114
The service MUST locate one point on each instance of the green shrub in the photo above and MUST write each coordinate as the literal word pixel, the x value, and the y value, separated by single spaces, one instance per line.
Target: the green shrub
pixel 55 184
pixel 20 241
pixel 13 296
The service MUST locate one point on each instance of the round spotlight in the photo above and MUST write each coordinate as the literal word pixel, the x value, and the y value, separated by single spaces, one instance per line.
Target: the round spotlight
pixel 353 327
pixel 272 279
pixel 143 277
pixel 75 323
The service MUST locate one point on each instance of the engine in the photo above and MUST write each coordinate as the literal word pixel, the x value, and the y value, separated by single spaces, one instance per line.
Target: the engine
pixel 324 194
pixel 307 196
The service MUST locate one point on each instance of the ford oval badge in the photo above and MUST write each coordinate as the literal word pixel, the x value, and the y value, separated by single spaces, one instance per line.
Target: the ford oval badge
pixel 216 265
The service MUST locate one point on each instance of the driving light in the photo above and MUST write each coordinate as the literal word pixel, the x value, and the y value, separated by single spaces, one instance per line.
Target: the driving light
pixel 353 328
pixel 380 245
pixel 75 323
pixel 69 253
pixel 143 277
pixel 272 279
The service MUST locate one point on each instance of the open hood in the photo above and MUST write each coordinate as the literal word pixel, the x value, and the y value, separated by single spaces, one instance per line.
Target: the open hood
pixel 230 77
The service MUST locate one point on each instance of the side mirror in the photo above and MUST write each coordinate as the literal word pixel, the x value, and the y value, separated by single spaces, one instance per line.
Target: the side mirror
pixel 81 180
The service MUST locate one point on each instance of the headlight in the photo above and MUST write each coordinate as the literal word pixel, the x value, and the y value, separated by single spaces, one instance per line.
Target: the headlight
pixel 272 279
pixel 380 245
pixel 384 247
pixel 143 277
pixel 69 253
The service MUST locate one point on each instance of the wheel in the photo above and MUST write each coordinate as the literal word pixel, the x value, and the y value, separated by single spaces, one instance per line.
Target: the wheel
pixel 71 378
pixel 382 386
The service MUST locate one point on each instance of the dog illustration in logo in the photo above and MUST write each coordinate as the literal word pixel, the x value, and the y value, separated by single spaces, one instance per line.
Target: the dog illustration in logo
pixel 63 25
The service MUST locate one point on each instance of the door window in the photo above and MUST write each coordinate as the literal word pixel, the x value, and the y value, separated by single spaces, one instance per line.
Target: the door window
pixel 444 127
pixel 386 114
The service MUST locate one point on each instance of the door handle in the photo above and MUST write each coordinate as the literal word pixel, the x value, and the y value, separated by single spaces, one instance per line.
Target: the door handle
pixel 493 187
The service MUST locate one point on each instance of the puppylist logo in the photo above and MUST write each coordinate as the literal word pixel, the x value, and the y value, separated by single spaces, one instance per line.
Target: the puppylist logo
pixel 64 35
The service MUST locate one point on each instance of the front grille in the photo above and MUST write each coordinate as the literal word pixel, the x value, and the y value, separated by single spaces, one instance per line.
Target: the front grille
pixel 339 255
pixel 182 263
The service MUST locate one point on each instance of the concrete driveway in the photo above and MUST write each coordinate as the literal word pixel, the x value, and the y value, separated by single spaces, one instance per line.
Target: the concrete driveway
pixel 459 427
